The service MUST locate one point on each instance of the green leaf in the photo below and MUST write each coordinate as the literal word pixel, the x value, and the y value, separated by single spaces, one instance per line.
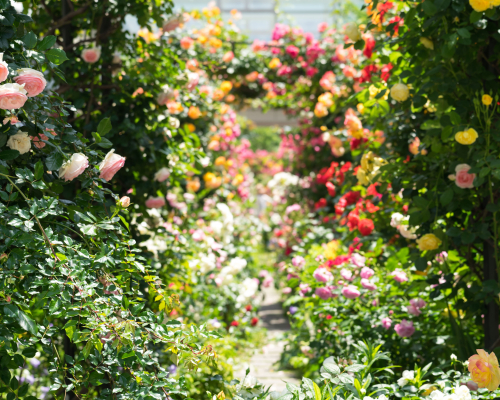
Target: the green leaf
pixel 24 321
pixel 317 391
pixel 30 40
pixel 446 197
pixel 9 154
pixel 56 56
pixel 464 33
pixel 429 8
pixel 96 137
pixel 54 161
pixel 475 17
pixel 47 43
pixel 87 349
pixel 430 124
pixel 38 170
pixel 23 390
pixel 105 143
pixel 29 352
pixel 484 172
pixel 104 126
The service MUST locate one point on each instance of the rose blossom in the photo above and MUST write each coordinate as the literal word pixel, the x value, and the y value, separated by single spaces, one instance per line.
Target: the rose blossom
pixel 400 276
pixel 155 202
pixel 12 96
pixel 484 370
pixel 91 55
pixel 413 310
pixel 346 274
pixel 358 260
pixel 323 292
pixel 367 273
pixel 368 285
pixel 386 322
pixel 125 201
pixel 418 303
pixel 322 275
pixel 463 179
pixel 33 80
pixel 73 167
pixel 4 69
pixel 111 165
pixel 20 142
pixel 162 175
pixel 405 328
pixel 351 292
pixel 298 261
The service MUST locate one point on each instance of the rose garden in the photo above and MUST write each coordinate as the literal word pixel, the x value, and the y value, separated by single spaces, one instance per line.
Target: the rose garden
pixel 144 220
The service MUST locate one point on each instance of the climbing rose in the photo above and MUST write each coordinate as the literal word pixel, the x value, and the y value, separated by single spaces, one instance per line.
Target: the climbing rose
pixel 20 142
pixel 386 323
pixel 12 96
pixel 331 188
pixel 462 178
pixel 367 273
pixel 186 42
pixel 254 321
pixel 351 292
pixel 162 174
pixel 194 112
pixel 358 260
pixel 365 226
pixel 400 92
pixel 418 303
pixel 292 51
pixel 405 328
pixel 34 81
pixel 428 242
pixel 91 55
pixel 73 167
pixel 228 56
pixel 413 310
pixel 484 370
pixel 480 5
pixel 322 275
pixel 298 261
pixel 323 293
pixel 111 165
pixel 466 137
pixel 125 201
pixel 368 285
pixel 352 31
pixel 155 202
pixel 400 276
pixel 4 69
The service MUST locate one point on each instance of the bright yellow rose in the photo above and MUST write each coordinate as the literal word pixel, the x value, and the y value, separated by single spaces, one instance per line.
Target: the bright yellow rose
pixel 466 137
pixel 320 110
pixel 486 99
pixel 238 180
pixel 479 5
pixel 484 370
pixel 400 92
pixel 226 86
pixel 331 250
pixel 275 63
pixel 427 43
pixel 428 242
pixel 361 108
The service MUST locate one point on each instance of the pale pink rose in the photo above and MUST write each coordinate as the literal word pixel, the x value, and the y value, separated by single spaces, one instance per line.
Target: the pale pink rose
pixel 162 174
pixel 193 79
pixel 263 273
pixel 463 179
pixel 111 165
pixel 73 167
pixel 346 274
pixel 304 288
pixel 368 285
pixel 386 322
pixel 323 292
pixel 413 310
pixel 405 328
pixel 323 26
pixel 268 281
pixel 292 208
pixel 298 261
pixel 125 201
pixel 4 69
pixel 198 235
pixel 228 56
pixel 322 275
pixel 287 290
pixel 91 55
pixel 33 80
pixel 358 260
pixel 400 276
pixel 351 292
pixel 155 202
pixel 12 96
pixel 440 258
pixel 367 273
pixel 418 303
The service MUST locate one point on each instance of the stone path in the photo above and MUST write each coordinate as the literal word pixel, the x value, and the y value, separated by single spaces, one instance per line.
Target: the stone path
pixel 262 363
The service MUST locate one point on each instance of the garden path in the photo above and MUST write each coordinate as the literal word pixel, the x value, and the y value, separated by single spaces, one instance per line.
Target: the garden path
pixel 262 363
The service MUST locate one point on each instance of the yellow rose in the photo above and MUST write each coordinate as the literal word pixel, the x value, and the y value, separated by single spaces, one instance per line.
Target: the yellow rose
pixel 427 43
pixel 275 63
pixel 331 250
pixel 428 242
pixel 484 370
pixel 226 86
pixel 486 99
pixel 400 92
pixel 466 137
pixel 220 161
pixel 479 5
pixel 352 31
pixel 361 108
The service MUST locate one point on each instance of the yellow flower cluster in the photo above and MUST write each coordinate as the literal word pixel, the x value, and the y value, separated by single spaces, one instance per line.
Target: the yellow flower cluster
pixel 369 168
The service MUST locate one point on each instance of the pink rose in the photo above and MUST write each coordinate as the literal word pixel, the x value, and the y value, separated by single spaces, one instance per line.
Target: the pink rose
pixel 91 55
pixel 34 81
pixel 413 310
pixel 73 167
pixel 198 235
pixel 155 202
pixel 358 260
pixel 279 31
pixel 351 292
pixel 463 179
pixel 418 303
pixel 323 293
pixel 323 26
pixel 346 274
pixel 287 290
pixel 400 276
pixel 304 288
pixel 111 165
pixel 228 56
pixel 4 69
pixel 293 51
pixel 268 281
pixel 322 275
pixel 386 322
pixel 162 174
pixel 367 273
pixel 298 261
pixel 368 285
pixel 125 201
pixel 186 42
pixel 405 328
pixel 12 96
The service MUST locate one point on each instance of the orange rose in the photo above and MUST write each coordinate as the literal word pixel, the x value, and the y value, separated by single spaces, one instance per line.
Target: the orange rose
pixel 484 370
pixel 194 112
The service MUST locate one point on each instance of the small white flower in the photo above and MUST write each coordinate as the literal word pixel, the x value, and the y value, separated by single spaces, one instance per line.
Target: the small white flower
pixel 436 395
pixel 453 357
pixel 402 382
pixel 410 375
pixel 463 393
pixel 363 391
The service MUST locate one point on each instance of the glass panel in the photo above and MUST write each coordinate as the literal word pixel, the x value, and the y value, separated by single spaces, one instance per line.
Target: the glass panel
pixel 301 5
pixel 190 4
pixel 261 4
pixel 309 22
pixel 230 4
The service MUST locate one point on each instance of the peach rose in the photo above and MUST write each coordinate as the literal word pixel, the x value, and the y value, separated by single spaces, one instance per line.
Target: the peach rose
pixel 125 201
pixel 228 56
pixel 155 202
pixel 12 96
pixel 162 174
pixel 4 69
pixel 37 141
pixel 186 42
pixel 73 167
pixel 463 179
pixel 33 80
pixel 484 370
pixel 111 165
pixel 91 55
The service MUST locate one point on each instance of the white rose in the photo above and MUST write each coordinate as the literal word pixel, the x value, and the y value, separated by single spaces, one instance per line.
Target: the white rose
pixel 73 167
pixel 410 375
pixel 20 142
pixel 396 219
pixel 352 31
pixel 463 392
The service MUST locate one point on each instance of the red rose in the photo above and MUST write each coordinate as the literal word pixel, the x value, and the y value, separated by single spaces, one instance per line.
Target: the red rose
pixel 331 188
pixel 365 226
pixel 254 321
pixel 320 204
pixel 248 307
pixel 235 323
